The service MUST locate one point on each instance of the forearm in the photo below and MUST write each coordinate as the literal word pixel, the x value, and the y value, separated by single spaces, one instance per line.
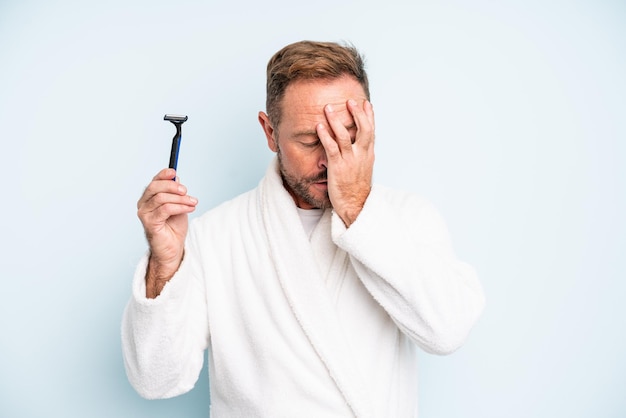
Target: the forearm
pixel 435 301
pixel 407 264
pixel 163 339
pixel 158 273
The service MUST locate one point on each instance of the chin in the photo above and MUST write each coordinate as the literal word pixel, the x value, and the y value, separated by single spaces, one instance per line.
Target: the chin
pixel 320 203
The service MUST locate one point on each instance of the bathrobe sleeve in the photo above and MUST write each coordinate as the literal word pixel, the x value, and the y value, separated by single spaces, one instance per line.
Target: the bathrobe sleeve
pixel 400 249
pixel 164 339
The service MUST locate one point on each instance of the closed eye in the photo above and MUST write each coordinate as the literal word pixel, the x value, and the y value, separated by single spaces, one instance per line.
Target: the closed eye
pixel 311 144
pixel 307 139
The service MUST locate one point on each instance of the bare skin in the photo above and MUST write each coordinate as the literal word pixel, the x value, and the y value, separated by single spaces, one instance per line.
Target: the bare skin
pixel 163 210
pixel 325 143
pixel 326 127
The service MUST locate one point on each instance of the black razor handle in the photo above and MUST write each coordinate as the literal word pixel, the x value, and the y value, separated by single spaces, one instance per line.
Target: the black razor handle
pixel 175 148
pixel 177 120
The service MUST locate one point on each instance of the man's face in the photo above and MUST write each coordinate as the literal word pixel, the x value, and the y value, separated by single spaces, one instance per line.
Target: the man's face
pixel 301 156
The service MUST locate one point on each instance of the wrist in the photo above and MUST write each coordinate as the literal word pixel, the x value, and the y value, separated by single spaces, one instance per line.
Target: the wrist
pixel 350 211
pixel 159 272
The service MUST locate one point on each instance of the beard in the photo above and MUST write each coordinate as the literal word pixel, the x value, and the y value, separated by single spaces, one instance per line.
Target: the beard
pixel 301 186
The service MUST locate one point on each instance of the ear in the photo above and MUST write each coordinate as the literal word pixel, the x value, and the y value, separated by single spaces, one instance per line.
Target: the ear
pixel 268 129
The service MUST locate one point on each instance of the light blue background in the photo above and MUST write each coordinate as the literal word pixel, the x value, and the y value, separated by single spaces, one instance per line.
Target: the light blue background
pixel 510 116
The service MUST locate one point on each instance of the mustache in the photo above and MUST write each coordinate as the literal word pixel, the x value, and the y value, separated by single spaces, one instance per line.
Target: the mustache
pixel 322 176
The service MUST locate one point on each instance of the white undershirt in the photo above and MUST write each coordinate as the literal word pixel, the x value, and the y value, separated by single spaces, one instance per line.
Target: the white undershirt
pixel 310 219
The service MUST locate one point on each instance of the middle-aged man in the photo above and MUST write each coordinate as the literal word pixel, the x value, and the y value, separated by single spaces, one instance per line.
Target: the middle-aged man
pixel 312 291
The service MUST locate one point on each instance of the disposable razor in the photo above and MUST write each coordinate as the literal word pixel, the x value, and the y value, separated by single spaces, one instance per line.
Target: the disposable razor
pixel 177 120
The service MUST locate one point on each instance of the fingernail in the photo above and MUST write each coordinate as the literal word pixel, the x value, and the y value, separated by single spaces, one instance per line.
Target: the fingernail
pixel 352 102
pixel 193 200
pixel 329 108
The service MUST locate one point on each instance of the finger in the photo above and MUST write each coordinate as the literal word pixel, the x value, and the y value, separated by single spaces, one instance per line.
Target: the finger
pixel 165 174
pixel 330 145
pixel 363 114
pixel 164 205
pixel 161 213
pixel 341 134
pixel 363 119
pixel 161 199
pixel 161 186
pixel 369 111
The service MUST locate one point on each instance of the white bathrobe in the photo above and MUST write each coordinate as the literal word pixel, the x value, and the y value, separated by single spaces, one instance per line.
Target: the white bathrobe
pixel 325 327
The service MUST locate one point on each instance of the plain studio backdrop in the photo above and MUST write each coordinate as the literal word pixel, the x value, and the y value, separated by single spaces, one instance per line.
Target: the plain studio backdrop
pixel 509 115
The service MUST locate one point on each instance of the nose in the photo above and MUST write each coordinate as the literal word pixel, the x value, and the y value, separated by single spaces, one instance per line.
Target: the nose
pixel 322 160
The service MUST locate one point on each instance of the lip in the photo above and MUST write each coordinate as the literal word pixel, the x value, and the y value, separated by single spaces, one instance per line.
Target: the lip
pixel 321 185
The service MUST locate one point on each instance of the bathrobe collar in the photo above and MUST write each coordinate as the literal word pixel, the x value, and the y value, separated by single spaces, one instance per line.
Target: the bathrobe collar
pixel 302 278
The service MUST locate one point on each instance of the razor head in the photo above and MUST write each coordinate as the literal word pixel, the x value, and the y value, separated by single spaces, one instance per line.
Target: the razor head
pixel 175 118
